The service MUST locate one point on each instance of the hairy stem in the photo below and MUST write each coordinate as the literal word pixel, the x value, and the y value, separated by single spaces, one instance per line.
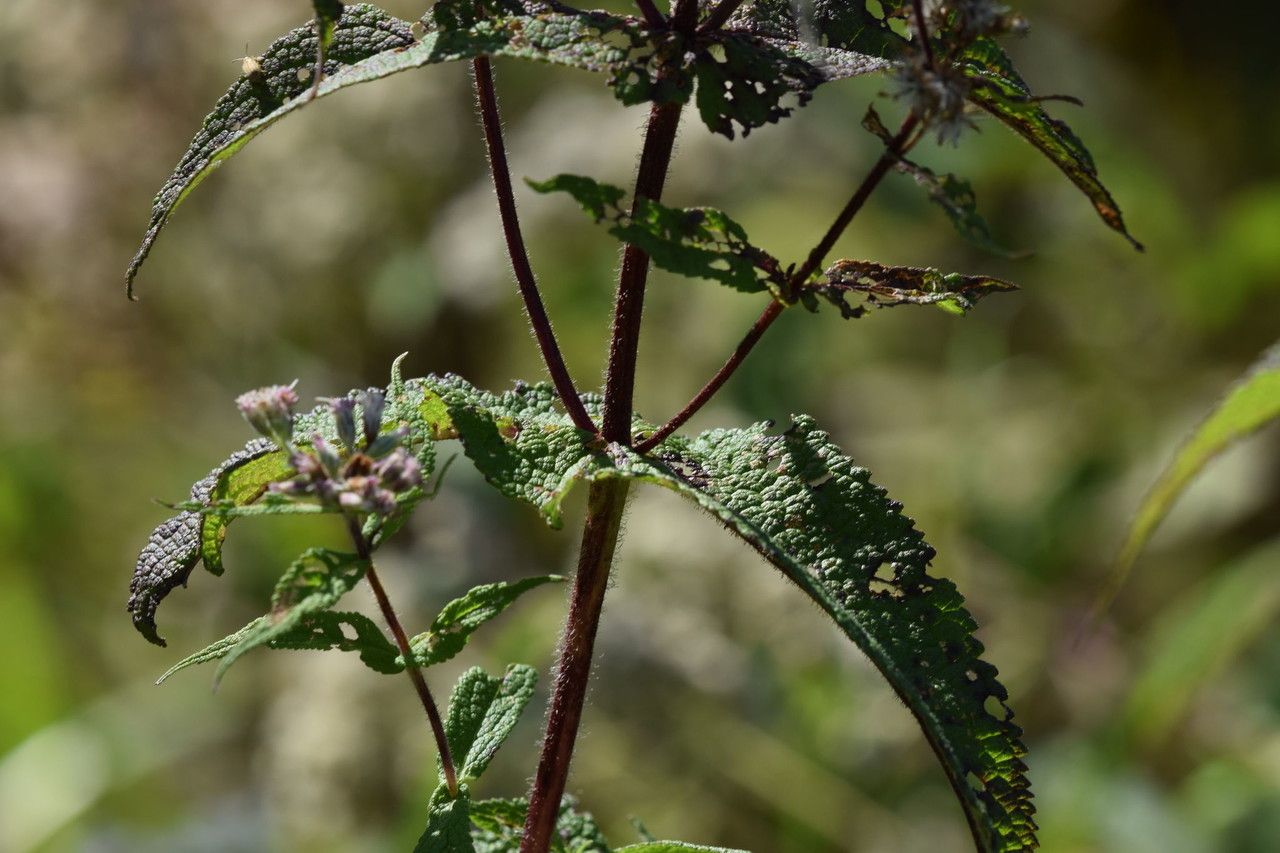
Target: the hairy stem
pixel 748 342
pixel 411 669
pixel 651 14
pixel 651 177
pixel 525 279
pixel 896 148
pixel 605 504
pixel 607 498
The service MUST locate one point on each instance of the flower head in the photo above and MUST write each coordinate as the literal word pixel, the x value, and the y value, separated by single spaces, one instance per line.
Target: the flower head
pixel 269 410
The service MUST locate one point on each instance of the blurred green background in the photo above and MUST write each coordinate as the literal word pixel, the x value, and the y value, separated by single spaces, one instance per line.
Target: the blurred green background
pixel 725 711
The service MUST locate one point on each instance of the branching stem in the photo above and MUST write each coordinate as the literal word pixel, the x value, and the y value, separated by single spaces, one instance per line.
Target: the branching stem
pixel 410 667
pixel 487 97
pixel 607 499
pixel 896 148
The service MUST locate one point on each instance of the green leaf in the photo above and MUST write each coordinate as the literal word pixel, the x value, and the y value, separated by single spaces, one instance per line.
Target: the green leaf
pixel 699 242
pixel 1196 638
pixel 325 630
pixel 448 823
pixel 816 516
pixel 460 618
pixel 500 826
pixel 312 584
pixel 998 89
pixel 175 546
pixel 271 91
pixel 884 287
pixel 1249 405
pixel 954 195
pixel 483 711
pixel 232 489
pixel 673 847
pixel 519 440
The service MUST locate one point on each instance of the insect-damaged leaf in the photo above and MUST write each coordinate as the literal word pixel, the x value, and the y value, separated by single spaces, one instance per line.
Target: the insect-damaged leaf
pixel 174 547
pixel 743 76
pixel 460 618
pixel 311 585
pixel 233 488
pixel 998 89
pixel 699 242
pixel 816 516
pixel 1250 404
pixel 884 287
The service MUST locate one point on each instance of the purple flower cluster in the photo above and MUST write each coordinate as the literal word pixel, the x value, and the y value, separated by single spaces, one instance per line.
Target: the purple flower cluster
pixel 363 472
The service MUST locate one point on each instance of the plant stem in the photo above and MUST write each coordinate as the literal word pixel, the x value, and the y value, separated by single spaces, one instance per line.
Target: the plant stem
pixel 748 342
pixel 605 504
pixel 628 308
pixel 411 669
pixel 651 14
pixel 607 498
pixel 922 33
pixel 720 15
pixel 487 97
pixel 899 145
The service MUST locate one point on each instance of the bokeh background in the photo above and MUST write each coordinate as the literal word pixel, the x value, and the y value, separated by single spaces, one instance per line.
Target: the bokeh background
pixel 725 711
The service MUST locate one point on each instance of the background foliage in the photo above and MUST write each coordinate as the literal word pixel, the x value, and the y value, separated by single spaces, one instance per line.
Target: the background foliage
pixel 1021 438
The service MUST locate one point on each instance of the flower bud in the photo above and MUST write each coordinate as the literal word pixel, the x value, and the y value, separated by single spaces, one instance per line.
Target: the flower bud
pixel 344 417
pixel 269 410
pixel 371 405
pixel 327 454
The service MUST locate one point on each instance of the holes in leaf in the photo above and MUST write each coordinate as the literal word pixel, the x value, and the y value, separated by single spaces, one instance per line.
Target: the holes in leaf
pixel 884 581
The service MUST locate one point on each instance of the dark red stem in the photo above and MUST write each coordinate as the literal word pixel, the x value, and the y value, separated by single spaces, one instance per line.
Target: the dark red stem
pixel 605 504
pixel 895 149
pixel 525 279
pixel 628 307
pixel 652 16
pixel 411 669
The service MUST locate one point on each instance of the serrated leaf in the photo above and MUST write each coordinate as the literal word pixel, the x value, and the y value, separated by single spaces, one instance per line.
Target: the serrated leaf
pixel 460 618
pixel 312 584
pixel 998 89
pixel 368 44
pixel 807 509
pixel 274 89
pixel 483 711
pixel 954 195
pixel 448 823
pixel 881 286
pixel 519 440
pixel 174 547
pixel 500 826
pixel 325 630
pixel 743 77
pixel 231 490
pixel 1250 404
pixel 699 242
